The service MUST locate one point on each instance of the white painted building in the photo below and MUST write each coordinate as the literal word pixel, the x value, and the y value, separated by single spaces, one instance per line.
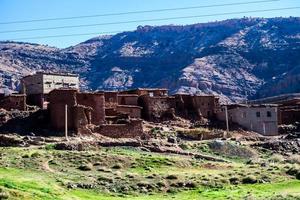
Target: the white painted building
pixel 259 118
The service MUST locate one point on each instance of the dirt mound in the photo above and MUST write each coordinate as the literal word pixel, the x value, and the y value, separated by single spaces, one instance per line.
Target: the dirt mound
pixel 12 141
pixel 281 146
pixel 231 149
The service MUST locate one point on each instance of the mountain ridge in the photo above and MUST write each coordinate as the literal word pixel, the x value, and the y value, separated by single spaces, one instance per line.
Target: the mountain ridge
pixel 237 59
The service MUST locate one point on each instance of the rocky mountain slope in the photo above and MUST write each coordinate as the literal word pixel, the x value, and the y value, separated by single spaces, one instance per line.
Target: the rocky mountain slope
pixel 237 59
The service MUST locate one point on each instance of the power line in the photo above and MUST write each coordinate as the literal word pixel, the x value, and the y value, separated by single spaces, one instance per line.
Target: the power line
pixel 66 35
pixel 147 20
pixel 137 12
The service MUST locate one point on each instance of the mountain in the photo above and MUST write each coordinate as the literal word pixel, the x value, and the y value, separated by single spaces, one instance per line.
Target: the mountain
pixel 236 59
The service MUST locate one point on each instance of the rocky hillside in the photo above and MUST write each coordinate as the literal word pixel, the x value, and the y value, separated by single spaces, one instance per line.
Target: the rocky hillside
pixel 237 58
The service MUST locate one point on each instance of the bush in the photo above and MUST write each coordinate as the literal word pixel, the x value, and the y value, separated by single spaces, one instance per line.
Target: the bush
pixel 86 167
pixel 276 158
pixel 171 177
pixel 293 171
pixel 3 194
pixel 249 180
pixel 117 166
pixel 294 159
pixel 298 176
pixel 234 180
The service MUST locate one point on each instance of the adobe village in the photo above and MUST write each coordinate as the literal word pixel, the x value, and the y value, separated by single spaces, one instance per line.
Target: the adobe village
pixel 146 143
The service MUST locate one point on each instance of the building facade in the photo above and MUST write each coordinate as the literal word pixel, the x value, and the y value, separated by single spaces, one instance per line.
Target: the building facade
pixel 258 118
pixel 38 86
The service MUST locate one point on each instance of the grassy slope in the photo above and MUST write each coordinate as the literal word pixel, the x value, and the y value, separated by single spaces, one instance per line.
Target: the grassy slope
pixel 24 179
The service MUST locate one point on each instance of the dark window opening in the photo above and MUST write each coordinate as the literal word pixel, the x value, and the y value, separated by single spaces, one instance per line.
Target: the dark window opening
pixel 269 114
pixel 257 114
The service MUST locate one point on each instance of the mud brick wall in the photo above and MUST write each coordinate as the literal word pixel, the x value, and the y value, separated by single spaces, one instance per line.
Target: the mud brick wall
pixel 130 99
pixel 58 99
pixel 155 108
pixel 132 111
pixel 132 129
pixel 97 102
pixel 17 102
pixel 188 106
pixel 111 99
pixel 288 116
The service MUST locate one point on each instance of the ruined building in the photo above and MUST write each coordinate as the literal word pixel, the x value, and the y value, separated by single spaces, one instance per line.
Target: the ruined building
pixel 13 102
pixel 86 114
pixel 196 106
pixel 38 86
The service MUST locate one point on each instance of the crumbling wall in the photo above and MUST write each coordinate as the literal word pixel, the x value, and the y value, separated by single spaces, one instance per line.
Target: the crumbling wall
pixel 131 129
pixel 132 111
pixel 111 99
pixel 157 108
pixel 196 107
pixel 14 101
pixel 97 102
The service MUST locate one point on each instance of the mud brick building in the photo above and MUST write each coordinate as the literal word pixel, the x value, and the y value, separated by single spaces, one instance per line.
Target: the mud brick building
pixel 117 104
pixel 86 114
pixel 128 99
pixel 152 92
pixel 38 86
pixel 288 107
pixel 196 106
pixel 111 99
pixel 13 102
pixel 260 118
pixel 157 108
pixel 83 108
pixel 131 111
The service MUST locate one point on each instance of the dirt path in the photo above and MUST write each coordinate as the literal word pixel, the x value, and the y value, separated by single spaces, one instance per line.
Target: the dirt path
pixel 46 167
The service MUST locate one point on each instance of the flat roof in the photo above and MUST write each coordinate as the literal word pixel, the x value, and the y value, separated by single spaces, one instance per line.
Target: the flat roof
pixel 129 106
pixel 251 105
pixel 128 95
pixel 53 74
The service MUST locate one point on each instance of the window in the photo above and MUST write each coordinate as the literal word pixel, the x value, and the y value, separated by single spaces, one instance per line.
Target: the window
pixel 244 115
pixel 269 114
pixel 257 114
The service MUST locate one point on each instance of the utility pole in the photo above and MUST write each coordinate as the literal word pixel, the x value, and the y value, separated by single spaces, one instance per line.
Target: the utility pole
pixel 66 122
pixel 226 116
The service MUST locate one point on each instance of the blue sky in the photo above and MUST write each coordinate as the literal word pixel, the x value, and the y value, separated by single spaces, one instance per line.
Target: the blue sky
pixel 15 10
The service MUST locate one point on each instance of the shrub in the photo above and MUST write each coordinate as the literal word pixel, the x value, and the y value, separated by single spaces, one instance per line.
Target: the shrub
pixel 86 167
pixel 172 177
pixel 249 180
pixel 234 180
pixel 117 166
pixel 276 158
pixel 293 171
pixel 294 159
pixel 3 194
pixel 298 176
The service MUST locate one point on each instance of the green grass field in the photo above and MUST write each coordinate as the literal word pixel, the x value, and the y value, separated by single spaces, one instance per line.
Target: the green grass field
pixel 128 173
